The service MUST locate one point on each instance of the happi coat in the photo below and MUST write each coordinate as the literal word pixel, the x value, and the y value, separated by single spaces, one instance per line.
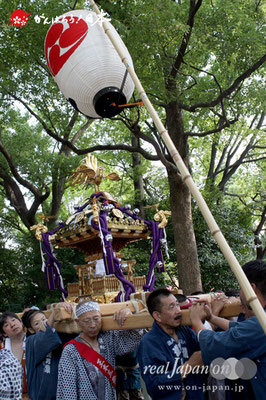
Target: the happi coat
pixel 159 356
pixel 42 364
pixel 11 373
pixel 6 344
pixel 78 379
pixel 245 339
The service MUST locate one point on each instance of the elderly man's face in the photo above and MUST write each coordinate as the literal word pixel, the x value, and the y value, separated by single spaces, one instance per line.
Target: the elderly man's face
pixel 91 323
pixel 170 314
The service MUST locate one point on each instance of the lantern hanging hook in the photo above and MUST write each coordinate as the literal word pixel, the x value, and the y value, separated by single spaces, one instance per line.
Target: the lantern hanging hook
pixel 139 103
pixel 74 6
pixel 122 85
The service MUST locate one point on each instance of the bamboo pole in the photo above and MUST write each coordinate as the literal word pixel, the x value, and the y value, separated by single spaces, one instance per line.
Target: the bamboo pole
pixel 214 228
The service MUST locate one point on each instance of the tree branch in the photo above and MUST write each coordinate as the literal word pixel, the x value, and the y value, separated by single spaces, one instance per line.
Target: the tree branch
pixel 137 132
pixel 260 120
pixel 71 124
pixel 154 130
pixel 258 243
pixel 217 83
pixel 194 7
pixel 15 196
pixel 239 196
pixel 228 91
pixel 80 132
pixel 10 222
pixel 131 149
pixel 253 160
pixel 257 5
pixel 220 160
pixel 215 130
pixel 261 223
pixel 235 146
pixel 14 171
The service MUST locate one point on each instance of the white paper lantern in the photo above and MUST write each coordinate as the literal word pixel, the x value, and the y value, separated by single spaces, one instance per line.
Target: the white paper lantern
pixel 86 66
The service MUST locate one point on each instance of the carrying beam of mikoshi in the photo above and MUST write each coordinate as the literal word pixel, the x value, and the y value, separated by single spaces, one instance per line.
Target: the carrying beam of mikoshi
pixel 187 178
pixel 135 321
pixel 144 320
pixel 65 322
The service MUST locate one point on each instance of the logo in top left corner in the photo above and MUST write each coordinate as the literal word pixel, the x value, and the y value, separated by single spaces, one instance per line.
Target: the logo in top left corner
pixel 19 18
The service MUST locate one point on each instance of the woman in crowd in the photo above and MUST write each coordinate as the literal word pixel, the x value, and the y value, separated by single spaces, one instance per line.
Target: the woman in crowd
pixel 43 350
pixel 13 334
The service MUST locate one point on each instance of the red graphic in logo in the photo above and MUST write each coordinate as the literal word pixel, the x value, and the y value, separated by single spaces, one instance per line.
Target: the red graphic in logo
pixel 19 18
pixel 59 38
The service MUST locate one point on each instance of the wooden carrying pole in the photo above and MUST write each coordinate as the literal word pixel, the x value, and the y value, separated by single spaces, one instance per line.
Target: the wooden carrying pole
pixel 144 320
pixel 214 228
pixel 64 321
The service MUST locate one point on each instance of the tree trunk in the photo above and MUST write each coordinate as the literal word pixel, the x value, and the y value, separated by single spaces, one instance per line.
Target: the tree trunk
pixel 260 249
pixel 58 188
pixel 180 200
pixel 138 179
pixel 185 242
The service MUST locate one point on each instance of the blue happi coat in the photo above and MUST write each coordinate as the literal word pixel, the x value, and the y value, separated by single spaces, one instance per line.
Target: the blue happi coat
pixel 42 364
pixel 159 357
pixel 244 339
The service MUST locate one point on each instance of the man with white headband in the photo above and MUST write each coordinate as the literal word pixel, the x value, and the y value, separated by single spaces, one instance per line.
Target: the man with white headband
pixel 87 366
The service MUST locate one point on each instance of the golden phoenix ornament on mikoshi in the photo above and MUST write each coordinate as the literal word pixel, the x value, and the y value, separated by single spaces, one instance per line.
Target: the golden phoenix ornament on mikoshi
pixel 90 173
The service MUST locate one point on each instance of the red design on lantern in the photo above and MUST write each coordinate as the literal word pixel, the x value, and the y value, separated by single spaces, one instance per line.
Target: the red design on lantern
pixel 70 32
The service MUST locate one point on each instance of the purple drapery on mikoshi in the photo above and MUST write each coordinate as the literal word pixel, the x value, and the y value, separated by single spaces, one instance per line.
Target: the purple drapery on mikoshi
pixel 156 256
pixel 111 262
pixel 52 265
pixel 112 265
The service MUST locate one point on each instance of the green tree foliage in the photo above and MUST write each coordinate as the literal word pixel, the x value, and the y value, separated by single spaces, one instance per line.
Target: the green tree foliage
pixel 22 282
pixel 235 225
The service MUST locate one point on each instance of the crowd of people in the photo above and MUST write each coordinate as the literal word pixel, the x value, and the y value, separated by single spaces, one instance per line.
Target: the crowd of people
pixel 175 362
